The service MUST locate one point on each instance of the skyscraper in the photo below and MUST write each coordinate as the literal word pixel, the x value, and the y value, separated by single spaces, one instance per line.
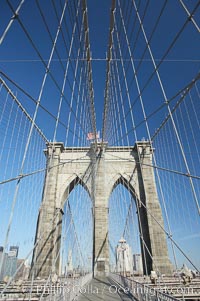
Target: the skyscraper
pixel 124 258
pixel 9 265
pixel 13 251
pixel 137 264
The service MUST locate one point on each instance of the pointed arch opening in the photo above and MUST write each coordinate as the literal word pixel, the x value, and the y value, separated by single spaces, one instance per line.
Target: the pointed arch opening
pixel 125 248
pixel 77 230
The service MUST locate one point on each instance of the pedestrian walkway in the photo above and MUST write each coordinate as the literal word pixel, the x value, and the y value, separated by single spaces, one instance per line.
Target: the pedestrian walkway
pixel 103 288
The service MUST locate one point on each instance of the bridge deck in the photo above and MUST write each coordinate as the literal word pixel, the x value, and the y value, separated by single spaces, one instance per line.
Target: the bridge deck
pixel 103 289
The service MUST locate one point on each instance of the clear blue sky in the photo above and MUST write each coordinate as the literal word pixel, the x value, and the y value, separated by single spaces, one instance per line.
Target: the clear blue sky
pixel 175 74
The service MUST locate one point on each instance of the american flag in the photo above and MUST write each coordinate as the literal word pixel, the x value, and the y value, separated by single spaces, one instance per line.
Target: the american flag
pixel 91 136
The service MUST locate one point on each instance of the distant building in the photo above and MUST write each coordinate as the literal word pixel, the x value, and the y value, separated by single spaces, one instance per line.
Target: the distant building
pixel 4 261
pixel 9 265
pixel 124 258
pixel 137 264
pixel 13 251
pixel 20 272
pixel 69 270
pixel 24 271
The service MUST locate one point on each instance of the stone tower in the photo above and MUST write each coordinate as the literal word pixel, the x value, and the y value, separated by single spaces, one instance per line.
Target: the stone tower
pixel 108 166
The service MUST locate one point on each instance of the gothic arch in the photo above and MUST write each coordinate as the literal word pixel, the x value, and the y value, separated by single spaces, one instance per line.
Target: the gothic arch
pixel 68 186
pixel 141 215
pixel 126 183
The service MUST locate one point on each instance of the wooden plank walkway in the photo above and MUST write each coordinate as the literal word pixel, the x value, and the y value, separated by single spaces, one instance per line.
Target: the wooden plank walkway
pixel 103 289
